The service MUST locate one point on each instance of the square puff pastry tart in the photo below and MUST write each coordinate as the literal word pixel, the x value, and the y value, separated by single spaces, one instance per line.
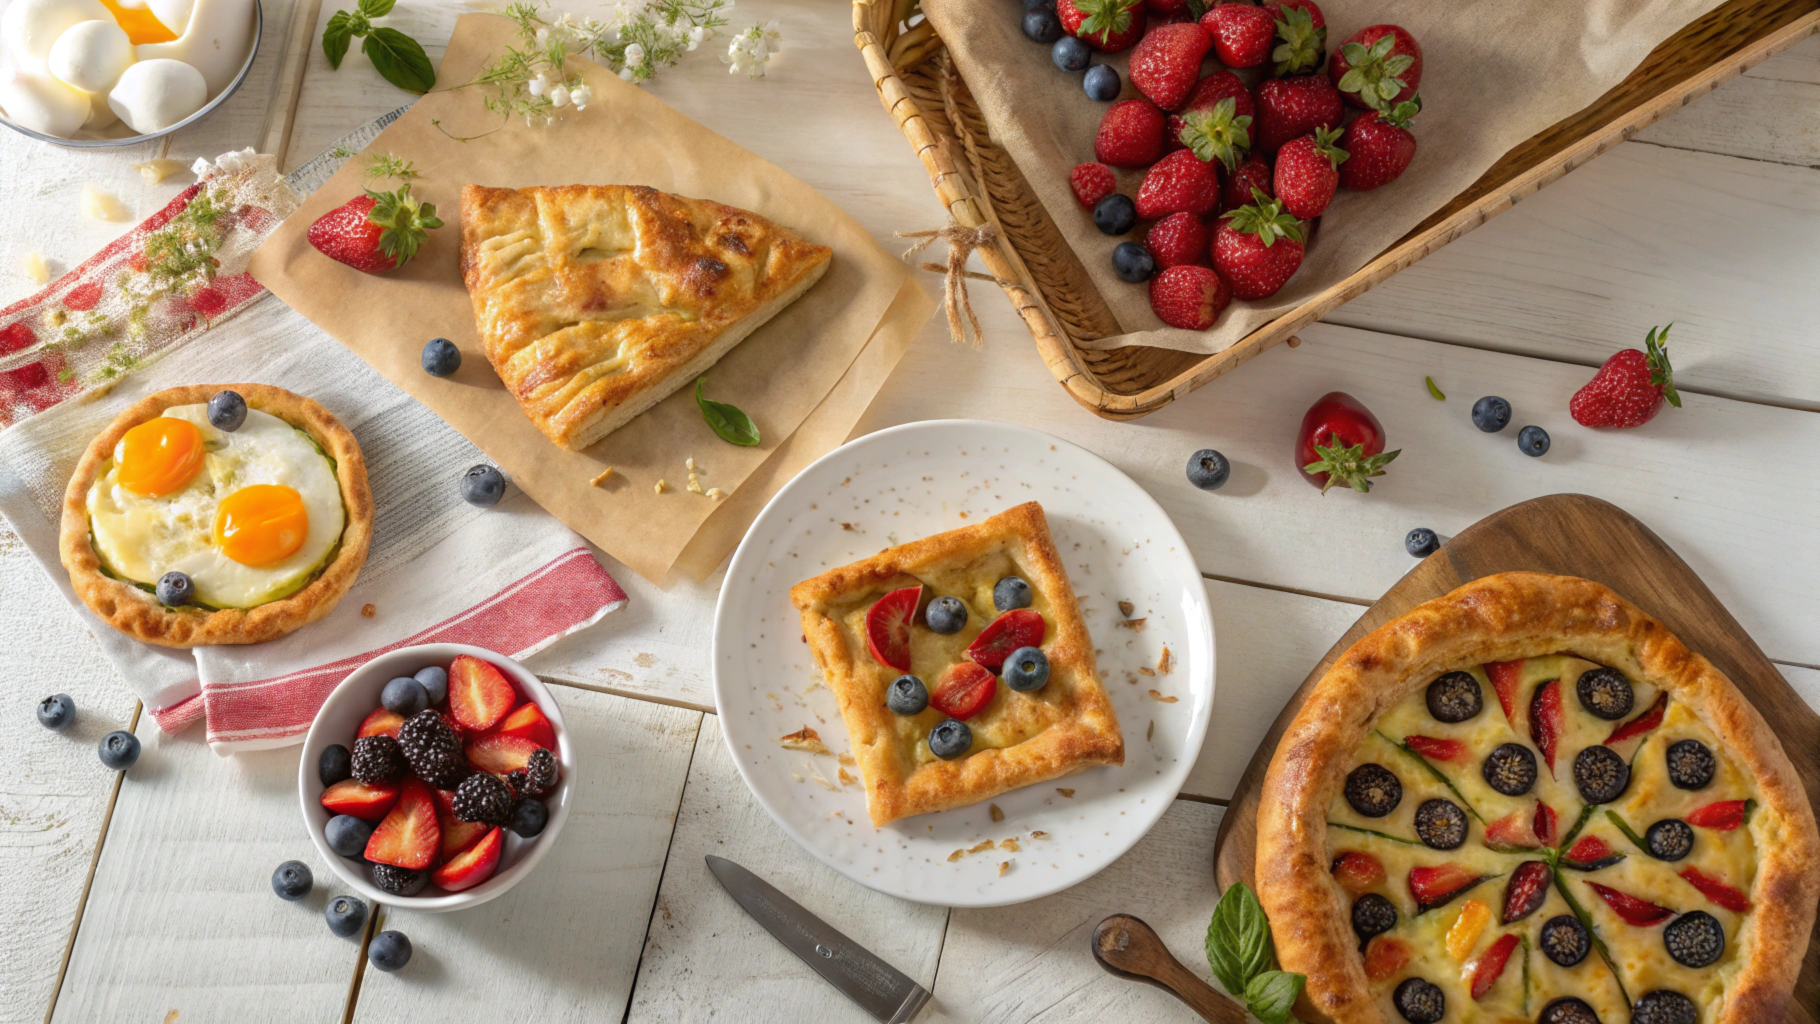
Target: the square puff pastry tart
pixel 1018 738
pixel 596 302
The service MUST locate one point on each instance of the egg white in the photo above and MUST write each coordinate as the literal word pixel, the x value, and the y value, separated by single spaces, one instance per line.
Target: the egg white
pixel 140 538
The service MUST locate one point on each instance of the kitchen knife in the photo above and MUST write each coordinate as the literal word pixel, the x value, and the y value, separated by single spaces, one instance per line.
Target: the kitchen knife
pixel 879 988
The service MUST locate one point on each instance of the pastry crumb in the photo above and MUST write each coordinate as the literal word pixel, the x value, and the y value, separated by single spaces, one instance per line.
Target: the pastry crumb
pixel 716 493
pixel 1159 698
pixel 1150 730
pixel 1065 792
pixel 1126 608
pixel 963 515
pixel 1135 625
pixel 602 478
pixel 981 846
pixel 1039 834
pixel 1166 662
pixel 1145 670
pixel 1003 867
pixel 849 527
pixel 796 776
pixel 694 482
pixel 821 780
pixel 805 739
pixel 155 171
pixel 956 855
pixel 846 777
pixel 997 815
pixel 34 268
pixel 368 611
pixel 99 205
pixel 1009 845
pixel 845 758
pixel 661 484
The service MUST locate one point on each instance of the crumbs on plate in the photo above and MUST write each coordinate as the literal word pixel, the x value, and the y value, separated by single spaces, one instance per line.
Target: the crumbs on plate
pixel 806 740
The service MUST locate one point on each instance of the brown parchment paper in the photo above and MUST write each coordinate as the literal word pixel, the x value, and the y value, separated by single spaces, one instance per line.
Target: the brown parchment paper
pixel 818 363
pixel 1495 72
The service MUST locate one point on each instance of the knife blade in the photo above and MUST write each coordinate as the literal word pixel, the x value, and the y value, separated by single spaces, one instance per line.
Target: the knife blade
pixel 879 988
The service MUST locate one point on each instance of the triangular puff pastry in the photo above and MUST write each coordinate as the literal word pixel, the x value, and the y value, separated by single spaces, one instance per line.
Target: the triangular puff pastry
pixel 595 302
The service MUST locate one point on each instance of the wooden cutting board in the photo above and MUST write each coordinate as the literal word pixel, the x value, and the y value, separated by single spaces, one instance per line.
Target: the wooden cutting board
pixel 1570 535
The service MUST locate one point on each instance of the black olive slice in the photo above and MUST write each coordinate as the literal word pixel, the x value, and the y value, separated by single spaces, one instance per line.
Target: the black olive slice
pixel 1600 775
pixel 1695 939
pixel 1372 915
pixel 1565 940
pixel 1691 764
pixel 1664 1006
pixel 1510 769
pixel 1568 1011
pixel 1606 693
pixel 1441 824
pixel 1455 697
pixel 1420 1002
pixel 1669 839
pixel 1373 790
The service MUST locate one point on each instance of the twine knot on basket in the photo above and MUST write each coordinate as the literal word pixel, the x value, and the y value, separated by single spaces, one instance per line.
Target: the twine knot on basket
pixel 961 243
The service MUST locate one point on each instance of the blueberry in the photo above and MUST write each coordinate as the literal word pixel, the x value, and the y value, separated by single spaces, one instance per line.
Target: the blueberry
pixel 227 411
pixel 175 589
pixel 1038 5
pixel 404 696
pixel 1070 54
pixel 1027 670
pixel 906 695
pixel 441 358
pixel 347 835
pixel 950 739
pixel 483 485
pixel 1102 83
pixel 1132 262
pixel 56 712
pixel 946 615
pixel 1421 542
pixel 529 817
pixel 1533 441
pixel 1115 215
pixel 1011 592
pixel 389 951
pixel 1042 26
pixel 292 880
pixel 1208 469
pixel 435 682
pixel 345 915
pixel 334 764
pixel 119 749
pixel 1491 414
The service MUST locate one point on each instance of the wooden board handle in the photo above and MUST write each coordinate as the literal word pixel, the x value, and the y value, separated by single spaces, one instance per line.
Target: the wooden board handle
pixel 1129 948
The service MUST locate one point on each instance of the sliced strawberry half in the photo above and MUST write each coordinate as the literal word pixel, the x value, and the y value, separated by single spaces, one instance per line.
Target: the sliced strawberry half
pixel 479 694
pixel 1486 968
pixel 473 865
pixel 528 722
pixel 1506 678
pixel 1547 720
pixel 888 626
pixel 457 835
pixel 380 723
pixel 1385 956
pixel 1358 872
pixel 1438 749
pixel 1527 890
pixel 1721 894
pixel 500 753
pixel 1545 823
pixel 1436 886
pixel 1019 627
pixel 1591 854
pixel 409 836
pixel 363 801
pixel 964 690
pixel 1633 910
pixel 1722 816
pixel 1514 830
pixel 1641 724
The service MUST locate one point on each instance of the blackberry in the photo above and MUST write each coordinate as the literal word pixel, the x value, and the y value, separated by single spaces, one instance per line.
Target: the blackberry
pixel 377 759
pixel 398 881
pixel 483 798
pixel 1606 693
pixel 1695 939
pixel 1691 764
pixel 1372 915
pixel 1565 940
pixel 537 777
pixel 1441 824
pixel 1600 775
pixel 433 750
pixel 1664 1006
pixel 1669 839
pixel 1568 1011
pixel 1420 1002
pixel 1510 769
pixel 1455 697
pixel 1373 790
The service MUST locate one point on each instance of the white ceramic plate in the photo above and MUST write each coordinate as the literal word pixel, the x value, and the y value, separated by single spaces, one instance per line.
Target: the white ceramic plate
pixel 922 478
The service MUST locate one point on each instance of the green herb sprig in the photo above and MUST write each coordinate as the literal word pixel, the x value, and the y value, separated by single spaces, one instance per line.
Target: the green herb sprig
pixel 396 56
pixel 1239 951
pixel 733 426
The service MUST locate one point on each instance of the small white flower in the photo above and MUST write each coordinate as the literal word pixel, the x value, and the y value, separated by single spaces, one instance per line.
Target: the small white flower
pixel 543 37
pixel 559 96
pixel 580 96
pixel 773 36
pixel 538 86
pixel 635 55
pixel 626 74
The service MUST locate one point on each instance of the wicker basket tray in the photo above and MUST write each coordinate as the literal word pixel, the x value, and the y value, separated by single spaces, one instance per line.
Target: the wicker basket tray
pixel 979 184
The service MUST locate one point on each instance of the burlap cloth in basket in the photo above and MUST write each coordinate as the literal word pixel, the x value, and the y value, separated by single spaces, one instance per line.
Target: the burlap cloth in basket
pixel 1495 73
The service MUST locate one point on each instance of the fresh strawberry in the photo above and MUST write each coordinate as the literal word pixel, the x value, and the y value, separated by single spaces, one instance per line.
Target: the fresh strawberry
pixel 1358 872
pixel 888 627
pixel 1289 108
pixel 375 232
pixel 1254 175
pixel 457 835
pixel 1167 62
pixel 1437 749
pixel 1487 967
pixel 1341 442
pixel 1301 36
pixel 380 723
pixel 1628 390
pixel 1589 849
pixel 1189 297
pixel 1218 133
pixel 1720 817
pixel 1108 26
pixel 1506 678
pixel 1091 182
pixel 1544 823
pixel 473 865
pixel 1630 908
pixel 528 722
pixel 1642 723
pixel 1167 8
pixel 1515 830
pixel 1527 890
pixel 1179 182
pixel 1380 147
pixel 1177 239
pixel 1436 886
pixel 363 801
pixel 1547 721
pixel 409 837
pixel 1207 94
pixel 1307 172
pixel 479 695
pixel 1019 627
pixel 498 753
pixel 1385 957
pixel 1377 66
pixel 1718 892
pixel 1130 134
pixel 964 690
pixel 1257 247
pixel 1243 36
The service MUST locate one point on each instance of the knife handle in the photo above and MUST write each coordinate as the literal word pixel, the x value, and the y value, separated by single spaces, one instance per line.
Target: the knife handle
pixel 1129 948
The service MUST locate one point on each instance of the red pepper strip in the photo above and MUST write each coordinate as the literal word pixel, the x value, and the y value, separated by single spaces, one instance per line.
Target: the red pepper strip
pixel 1490 965
pixel 1630 908
pixel 1547 720
pixel 1721 894
pixel 1504 679
pixel 1545 823
pixel 1722 816
pixel 1641 724
pixel 1437 749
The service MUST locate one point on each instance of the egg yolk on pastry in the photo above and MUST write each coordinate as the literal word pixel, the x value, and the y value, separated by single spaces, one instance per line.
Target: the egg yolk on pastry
pixel 261 525
pixel 160 456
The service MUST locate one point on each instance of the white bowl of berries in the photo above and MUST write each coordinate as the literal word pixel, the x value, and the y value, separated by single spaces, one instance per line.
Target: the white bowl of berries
pixel 436 777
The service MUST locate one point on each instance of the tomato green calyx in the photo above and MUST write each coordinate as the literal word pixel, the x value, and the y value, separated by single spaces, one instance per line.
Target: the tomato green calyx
pixel 1348 464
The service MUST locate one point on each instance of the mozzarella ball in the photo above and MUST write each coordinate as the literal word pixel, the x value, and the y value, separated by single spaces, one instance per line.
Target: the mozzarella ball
pixel 30 27
pixel 154 94
pixel 43 104
pixel 90 55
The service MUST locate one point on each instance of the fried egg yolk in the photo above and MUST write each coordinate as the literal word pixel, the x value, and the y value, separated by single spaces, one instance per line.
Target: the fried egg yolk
pixel 160 457
pixel 261 525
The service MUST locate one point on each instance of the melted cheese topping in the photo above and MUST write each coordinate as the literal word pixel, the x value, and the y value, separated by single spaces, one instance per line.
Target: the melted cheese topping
pixel 1531 980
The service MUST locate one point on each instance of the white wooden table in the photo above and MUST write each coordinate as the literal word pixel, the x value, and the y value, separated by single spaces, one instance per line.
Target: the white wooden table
pixel 147 897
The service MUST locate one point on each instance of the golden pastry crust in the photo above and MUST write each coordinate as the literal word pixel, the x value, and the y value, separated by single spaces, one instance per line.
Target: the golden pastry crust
pixel 595 302
pixel 1503 618
pixel 138 614
pixel 1065 727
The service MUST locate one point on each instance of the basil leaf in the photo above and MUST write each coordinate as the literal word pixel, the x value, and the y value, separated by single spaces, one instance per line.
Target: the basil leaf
pixel 1271 996
pixel 335 37
pixel 400 60
pixel 733 426
pixel 1238 939
pixel 376 8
